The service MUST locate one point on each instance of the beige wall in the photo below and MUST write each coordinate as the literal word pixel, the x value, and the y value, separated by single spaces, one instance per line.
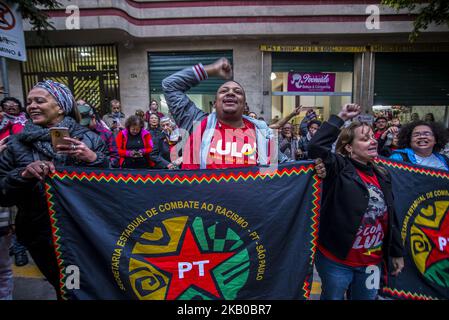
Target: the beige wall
pixel 138 22
pixel 133 68
pixel 133 77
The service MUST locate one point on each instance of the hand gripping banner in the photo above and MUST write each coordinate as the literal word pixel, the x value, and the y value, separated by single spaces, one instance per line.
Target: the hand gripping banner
pixel 164 235
pixel 422 204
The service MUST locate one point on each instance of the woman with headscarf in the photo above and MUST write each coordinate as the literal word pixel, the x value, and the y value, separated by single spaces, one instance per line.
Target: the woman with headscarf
pixel 30 157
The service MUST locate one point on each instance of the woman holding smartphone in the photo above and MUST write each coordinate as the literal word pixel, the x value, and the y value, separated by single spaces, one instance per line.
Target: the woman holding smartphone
pixel 30 157
pixel 135 145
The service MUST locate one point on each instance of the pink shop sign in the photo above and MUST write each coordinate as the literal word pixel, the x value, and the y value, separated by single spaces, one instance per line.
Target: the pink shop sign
pixel 311 81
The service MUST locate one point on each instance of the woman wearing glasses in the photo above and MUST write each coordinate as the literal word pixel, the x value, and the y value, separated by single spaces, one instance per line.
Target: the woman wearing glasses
pixel 13 118
pixel 420 143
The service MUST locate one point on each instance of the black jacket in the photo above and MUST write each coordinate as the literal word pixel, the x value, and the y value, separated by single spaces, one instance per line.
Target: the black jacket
pixel 32 221
pixel 161 157
pixel 345 197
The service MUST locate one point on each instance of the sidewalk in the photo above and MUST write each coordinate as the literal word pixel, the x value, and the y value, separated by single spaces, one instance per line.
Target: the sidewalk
pixel 29 283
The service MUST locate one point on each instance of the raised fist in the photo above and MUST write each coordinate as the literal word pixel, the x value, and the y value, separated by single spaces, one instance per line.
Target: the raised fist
pixel 221 68
pixel 349 111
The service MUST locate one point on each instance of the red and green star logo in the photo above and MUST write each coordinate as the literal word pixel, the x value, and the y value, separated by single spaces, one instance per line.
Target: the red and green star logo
pixel 190 267
pixel 440 240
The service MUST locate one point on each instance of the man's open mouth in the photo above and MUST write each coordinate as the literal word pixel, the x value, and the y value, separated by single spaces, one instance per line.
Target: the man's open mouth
pixel 229 100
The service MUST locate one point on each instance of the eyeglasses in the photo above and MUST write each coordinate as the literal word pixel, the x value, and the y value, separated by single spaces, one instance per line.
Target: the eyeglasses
pixel 11 105
pixel 424 134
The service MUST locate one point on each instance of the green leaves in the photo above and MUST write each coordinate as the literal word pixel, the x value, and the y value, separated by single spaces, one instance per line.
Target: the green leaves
pixel 34 11
pixel 433 11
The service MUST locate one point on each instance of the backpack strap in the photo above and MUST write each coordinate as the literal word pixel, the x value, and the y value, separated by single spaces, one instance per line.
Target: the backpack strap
pixel 405 157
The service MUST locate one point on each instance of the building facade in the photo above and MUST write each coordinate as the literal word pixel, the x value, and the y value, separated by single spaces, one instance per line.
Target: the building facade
pixel 284 53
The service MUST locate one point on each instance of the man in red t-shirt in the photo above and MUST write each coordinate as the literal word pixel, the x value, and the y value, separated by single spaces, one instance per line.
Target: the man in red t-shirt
pixel 226 138
pixel 234 142
pixel 381 124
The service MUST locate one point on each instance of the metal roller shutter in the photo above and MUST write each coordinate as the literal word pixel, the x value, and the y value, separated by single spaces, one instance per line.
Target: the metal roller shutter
pixel 411 79
pixel 163 64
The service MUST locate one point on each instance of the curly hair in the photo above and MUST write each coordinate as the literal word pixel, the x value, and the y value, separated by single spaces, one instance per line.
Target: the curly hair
pixel 134 120
pixel 15 100
pixel 438 130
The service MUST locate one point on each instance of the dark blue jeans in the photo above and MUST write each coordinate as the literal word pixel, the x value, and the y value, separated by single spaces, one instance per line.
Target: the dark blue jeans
pixel 17 247
pixel 359 283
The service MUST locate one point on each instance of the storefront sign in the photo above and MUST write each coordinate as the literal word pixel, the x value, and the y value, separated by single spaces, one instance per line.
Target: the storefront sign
pixel 12 41
pixel 311 82
pixel 440 47
pixel 275 48
pixel 358 49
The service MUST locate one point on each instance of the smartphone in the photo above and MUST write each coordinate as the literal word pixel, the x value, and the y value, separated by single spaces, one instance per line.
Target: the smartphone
pixel 58 135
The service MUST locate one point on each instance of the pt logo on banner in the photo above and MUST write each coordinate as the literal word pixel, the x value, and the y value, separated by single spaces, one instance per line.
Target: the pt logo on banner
pixel 427 223
pixel 205 262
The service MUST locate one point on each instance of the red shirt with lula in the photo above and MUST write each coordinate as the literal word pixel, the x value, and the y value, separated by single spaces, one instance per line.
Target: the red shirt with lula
pixel 367 247
pixel 229 147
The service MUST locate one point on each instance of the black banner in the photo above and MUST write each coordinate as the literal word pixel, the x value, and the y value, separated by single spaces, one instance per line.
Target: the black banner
pixel 163 235
pixel 422 204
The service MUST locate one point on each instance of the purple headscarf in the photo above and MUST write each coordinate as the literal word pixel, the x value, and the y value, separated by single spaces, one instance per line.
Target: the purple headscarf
pixel 60 92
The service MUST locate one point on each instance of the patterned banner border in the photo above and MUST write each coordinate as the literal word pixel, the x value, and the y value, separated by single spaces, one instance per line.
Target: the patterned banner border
pixel 316 194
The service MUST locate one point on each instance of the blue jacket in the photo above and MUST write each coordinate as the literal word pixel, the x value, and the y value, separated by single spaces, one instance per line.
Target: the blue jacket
pixel 397 155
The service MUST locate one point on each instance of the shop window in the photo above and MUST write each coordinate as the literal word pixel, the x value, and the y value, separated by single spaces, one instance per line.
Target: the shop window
pixel 325 91
pixel 410 113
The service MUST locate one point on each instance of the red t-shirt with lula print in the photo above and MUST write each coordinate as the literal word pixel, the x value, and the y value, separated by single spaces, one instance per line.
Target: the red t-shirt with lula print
pixel 229 147
pixel 367 247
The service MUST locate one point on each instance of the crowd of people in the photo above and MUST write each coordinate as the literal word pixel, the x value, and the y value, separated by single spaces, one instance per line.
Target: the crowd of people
pixel 231 137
